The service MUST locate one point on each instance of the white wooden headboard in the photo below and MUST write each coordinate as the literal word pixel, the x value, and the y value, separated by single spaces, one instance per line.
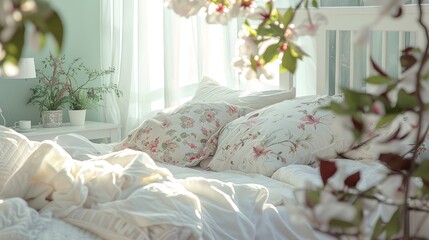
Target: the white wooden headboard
pixel 333 70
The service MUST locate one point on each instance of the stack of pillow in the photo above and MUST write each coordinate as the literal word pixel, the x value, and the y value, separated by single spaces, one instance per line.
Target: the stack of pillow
pixel 254 132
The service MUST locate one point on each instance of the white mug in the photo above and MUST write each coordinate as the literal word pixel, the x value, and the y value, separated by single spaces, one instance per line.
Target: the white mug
pixel 23 125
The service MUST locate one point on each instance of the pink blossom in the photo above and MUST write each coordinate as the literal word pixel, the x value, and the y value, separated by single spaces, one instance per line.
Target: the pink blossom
pixel 310 28
pixel 206 131
pixel 232 109
pixel 193 146
pixel 165 124
pixel 188 122
pixel 260 150
pixel 310 120
pixel 301 126
pixel 153 148
pixel 210 116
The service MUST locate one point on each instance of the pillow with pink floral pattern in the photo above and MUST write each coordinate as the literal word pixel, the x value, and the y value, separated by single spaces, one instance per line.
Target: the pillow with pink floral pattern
pixel 179 137
pixel 289 132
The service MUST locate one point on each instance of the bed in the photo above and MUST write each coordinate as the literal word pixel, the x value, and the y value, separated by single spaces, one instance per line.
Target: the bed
pixel 177 177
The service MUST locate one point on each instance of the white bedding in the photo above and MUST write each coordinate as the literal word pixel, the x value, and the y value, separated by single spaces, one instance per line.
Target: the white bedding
pixel 125 195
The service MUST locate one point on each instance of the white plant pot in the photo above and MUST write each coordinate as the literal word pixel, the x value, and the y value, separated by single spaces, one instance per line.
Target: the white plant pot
pixel 77 117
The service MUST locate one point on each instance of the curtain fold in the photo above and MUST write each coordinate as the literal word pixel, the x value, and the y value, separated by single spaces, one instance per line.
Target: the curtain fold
pixel 159 57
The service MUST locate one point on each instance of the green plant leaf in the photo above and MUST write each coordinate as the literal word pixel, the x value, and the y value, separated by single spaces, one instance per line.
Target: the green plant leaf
pixel 55 27
pixel 271 53
pixel 341 224
pixel 252 32
pixel 297 51
pixel 378 229
pixel 406 101
pixel 378 80
pixel 315 4
pixel 312 197
pixel 14 46
pixel 288 16
pixel 394 225
pixel 356 100
pixel 386 120
pixel 288 61
pixel 422 170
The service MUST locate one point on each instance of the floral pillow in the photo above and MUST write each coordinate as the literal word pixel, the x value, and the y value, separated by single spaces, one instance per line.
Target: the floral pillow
pixel 289 132
pixel 179 137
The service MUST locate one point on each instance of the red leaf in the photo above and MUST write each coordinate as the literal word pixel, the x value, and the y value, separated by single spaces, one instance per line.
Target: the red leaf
pixel 352 180
pixel 377 68
pixel 395 161
pixel 357 124
pixel 398 13
pixel 327 170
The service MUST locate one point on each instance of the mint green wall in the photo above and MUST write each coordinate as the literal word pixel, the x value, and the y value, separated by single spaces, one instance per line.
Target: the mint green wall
pixel 81 39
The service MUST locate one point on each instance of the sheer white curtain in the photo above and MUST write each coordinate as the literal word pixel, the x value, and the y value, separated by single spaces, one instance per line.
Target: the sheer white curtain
pixel 159 57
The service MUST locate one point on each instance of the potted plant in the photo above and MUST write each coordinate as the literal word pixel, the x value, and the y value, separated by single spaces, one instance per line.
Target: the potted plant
pixel 81 95
pixel 62 88
pixel 51 93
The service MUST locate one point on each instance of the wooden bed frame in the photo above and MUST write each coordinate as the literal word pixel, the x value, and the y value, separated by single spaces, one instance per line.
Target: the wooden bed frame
pixel 351 20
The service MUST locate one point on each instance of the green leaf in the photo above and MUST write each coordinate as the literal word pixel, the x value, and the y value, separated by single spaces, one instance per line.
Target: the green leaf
pixel 406 101
pixel 271 53
pixel 312 197
pixel 337 108
pixel 183 135
pixel 422 170
pixel 340 224
pixel 297 51
pixel 14 46
pixel 288 61
pixel 386 120
pixel 378 229
pixel 314 3
pixel 252 32
pixel 55 27
pixel 394 225
pixel 356 100
pixel 287 18
pixel 378 80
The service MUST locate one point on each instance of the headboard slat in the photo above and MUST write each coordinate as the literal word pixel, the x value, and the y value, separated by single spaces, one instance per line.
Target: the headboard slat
pixel 351 20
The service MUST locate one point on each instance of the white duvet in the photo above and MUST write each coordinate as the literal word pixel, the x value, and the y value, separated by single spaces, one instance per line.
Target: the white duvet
pixel 124 195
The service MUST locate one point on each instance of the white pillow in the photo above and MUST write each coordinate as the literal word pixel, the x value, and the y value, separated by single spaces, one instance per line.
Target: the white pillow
pixel 14 150
pixel 290 132
pixel 179 137
pixel 211 91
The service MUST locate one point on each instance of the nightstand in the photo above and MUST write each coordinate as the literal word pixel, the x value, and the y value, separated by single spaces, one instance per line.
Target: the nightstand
pixel 91 130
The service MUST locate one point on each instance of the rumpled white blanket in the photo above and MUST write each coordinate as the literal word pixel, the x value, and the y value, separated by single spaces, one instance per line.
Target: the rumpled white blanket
pixel 124 195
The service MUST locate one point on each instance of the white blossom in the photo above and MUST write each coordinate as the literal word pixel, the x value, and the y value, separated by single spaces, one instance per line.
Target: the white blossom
pixel 330 208
pixel 310 28
pixel 218 14
pixel 186 8
pixel 242 9
pixel 394 189
pixel 246 44
pixel 259 13
pixel 9 19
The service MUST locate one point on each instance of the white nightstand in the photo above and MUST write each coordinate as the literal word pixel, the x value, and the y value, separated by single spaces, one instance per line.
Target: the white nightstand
pixel 91 130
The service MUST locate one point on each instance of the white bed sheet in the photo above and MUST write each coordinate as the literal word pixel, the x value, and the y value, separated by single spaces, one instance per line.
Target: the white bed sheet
pixel 274 221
